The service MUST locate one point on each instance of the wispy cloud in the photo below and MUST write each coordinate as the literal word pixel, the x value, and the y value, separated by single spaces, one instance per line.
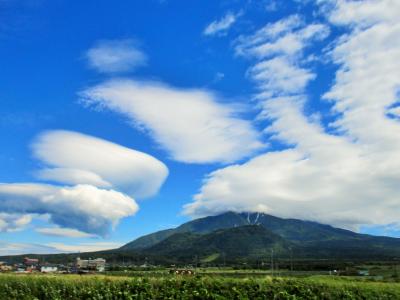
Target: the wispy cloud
pixel 10 222
pixel 7 248
pixel 116 56
pixel 221 27
pixel 85 247
pixel 63 232
pixel 191 124
pixel 348 178
pixel 23 119
pixel 272 5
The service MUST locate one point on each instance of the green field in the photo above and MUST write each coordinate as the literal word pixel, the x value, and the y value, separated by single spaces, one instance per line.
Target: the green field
pixel 197 287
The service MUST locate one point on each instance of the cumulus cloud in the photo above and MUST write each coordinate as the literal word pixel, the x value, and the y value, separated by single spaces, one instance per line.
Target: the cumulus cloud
pixel 63 232
pixel 221 26
pixel 76 158
pixel 83 207
pixel 191 124
pixel 115 56
pixel 346 178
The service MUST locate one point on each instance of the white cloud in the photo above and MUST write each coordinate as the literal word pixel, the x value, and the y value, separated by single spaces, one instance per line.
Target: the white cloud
pixel 221 26
pixel 72 176
pixel 346 179
pixel 270 32
pixel 85 247
pixel 191 124
pixel 83 207
pixel 63 232
pixel 284 37
pixel 13 222
pixel 96 171
pixel 85 210
pixel 83 159
pixel 279 76
pixel 7 248
pixel 364 13
pixel 278 48
pixel 271 6
pixel 218 77
pixel 116 56
pixel 394 111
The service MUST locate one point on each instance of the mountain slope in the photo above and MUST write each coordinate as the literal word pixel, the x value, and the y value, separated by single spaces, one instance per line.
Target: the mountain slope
pixel 203 225
pixel 250 241
pixel 148 240
pixel 290 229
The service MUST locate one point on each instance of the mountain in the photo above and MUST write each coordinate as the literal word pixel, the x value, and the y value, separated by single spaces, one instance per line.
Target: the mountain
pixel 305 238
pixel 250 241
pixel 245 238
pixel 203 225
pixel 291 229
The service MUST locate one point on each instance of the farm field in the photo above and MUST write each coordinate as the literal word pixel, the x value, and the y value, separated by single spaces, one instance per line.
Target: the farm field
pixel 197 287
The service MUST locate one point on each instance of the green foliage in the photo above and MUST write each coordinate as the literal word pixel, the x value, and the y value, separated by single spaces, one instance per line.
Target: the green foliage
pixel 172 287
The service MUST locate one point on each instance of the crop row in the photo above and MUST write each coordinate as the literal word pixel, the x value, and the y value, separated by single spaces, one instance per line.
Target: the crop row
pixel 75 287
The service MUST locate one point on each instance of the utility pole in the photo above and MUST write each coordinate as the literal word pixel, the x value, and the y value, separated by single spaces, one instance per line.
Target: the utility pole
pixel 196 261
pixel 291 259
pixel 272 262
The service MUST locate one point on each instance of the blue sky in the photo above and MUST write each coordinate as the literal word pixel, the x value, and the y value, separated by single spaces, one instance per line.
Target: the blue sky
pixel 120 119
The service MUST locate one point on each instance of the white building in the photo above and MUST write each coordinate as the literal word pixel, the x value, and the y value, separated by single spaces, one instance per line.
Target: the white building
pixel 98 264
pixel 48 269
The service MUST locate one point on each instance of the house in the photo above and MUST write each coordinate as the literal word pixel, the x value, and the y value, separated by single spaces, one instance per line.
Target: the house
pixel 363 272
pixel 48 269
pixel 98 264
pixel 4 267
pixel 31 264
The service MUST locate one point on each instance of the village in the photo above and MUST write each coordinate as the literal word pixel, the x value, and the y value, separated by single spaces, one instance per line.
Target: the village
pixel 34 265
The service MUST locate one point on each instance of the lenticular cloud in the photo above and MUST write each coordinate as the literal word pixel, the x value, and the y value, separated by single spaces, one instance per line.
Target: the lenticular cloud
pixel 99 183
pixel 83 207
pixel 77 158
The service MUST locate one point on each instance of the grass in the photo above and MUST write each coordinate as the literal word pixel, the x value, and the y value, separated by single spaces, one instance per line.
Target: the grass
pixel 200 287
